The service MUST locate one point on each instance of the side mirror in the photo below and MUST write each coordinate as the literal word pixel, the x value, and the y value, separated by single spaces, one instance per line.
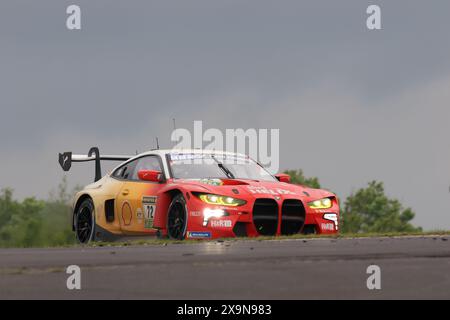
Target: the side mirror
pixel 283 177
pixel 150 175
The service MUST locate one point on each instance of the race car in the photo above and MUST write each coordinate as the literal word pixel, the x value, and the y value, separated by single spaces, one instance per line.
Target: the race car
pixel 194 194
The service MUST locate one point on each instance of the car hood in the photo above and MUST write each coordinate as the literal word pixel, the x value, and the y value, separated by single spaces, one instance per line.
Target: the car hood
pixel 257 188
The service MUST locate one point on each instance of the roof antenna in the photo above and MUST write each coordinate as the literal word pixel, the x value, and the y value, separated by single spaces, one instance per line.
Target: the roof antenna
pixel 174 128
pixel 157 143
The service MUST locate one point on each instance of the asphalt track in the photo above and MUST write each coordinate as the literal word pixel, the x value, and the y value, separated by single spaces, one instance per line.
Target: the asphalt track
pixel 411 268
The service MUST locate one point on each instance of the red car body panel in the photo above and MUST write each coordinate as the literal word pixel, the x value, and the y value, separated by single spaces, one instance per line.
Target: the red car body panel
pixel 249 191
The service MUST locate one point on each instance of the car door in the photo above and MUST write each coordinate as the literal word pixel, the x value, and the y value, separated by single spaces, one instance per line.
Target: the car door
pixel 137 199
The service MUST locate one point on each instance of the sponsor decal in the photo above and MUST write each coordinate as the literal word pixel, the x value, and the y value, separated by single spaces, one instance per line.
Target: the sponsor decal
pixel 199 234
pixel 149 207
pixel 139 215
pixel 195 213
pixel 221 223
pixel 187 156
pixel 282 191
pixel 327 226
pixel 263 190
pixel 332 217
pixel 126 214
pixel 212 182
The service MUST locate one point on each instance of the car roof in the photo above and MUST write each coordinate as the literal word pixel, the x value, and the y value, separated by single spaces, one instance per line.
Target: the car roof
pixel 163 152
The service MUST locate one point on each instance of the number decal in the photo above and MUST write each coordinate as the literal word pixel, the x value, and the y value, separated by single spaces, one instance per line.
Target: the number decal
pixel 149 207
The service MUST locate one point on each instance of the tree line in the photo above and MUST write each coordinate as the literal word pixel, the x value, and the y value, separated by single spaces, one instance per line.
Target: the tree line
pixel 36 223
pixel 368 210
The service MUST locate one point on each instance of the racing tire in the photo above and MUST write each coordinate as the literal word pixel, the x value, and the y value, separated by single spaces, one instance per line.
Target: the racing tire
pixel 177 218
pixel 85 222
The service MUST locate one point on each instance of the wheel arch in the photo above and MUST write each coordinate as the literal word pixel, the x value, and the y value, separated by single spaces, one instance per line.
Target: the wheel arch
pixel 165 197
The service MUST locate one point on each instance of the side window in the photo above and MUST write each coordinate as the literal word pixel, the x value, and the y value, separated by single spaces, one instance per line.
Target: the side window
pixel 126 171
pixel 146 163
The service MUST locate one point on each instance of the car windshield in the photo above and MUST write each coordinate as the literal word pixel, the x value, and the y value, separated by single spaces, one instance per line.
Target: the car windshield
pixel 202 166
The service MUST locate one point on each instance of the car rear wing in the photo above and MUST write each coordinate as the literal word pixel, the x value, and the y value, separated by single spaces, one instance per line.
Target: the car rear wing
pixel 66 159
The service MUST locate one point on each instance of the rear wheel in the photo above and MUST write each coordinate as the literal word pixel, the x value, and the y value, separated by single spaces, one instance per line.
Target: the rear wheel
pixel 177 218
pixel 85 222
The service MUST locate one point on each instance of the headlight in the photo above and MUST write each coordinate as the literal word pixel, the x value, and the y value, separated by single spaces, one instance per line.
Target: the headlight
pixel 324 203
pixel 221 200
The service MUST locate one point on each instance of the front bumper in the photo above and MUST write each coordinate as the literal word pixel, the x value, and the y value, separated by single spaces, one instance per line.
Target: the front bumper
pixel 260 216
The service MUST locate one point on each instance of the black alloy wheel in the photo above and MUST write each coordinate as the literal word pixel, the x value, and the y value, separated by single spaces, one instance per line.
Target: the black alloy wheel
pixel 84 222
pixel 177 218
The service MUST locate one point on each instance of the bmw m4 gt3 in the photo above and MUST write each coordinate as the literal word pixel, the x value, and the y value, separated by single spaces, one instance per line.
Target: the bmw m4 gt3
pixel 195 194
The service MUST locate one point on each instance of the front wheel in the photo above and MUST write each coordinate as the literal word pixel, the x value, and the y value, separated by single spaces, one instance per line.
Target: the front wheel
pixel 85 222
pixel 177 218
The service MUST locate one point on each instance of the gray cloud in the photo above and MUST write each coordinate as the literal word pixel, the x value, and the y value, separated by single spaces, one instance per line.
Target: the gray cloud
pixel 352 105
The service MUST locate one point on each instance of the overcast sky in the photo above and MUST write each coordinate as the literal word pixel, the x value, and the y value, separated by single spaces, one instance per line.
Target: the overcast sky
pixel 352 105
